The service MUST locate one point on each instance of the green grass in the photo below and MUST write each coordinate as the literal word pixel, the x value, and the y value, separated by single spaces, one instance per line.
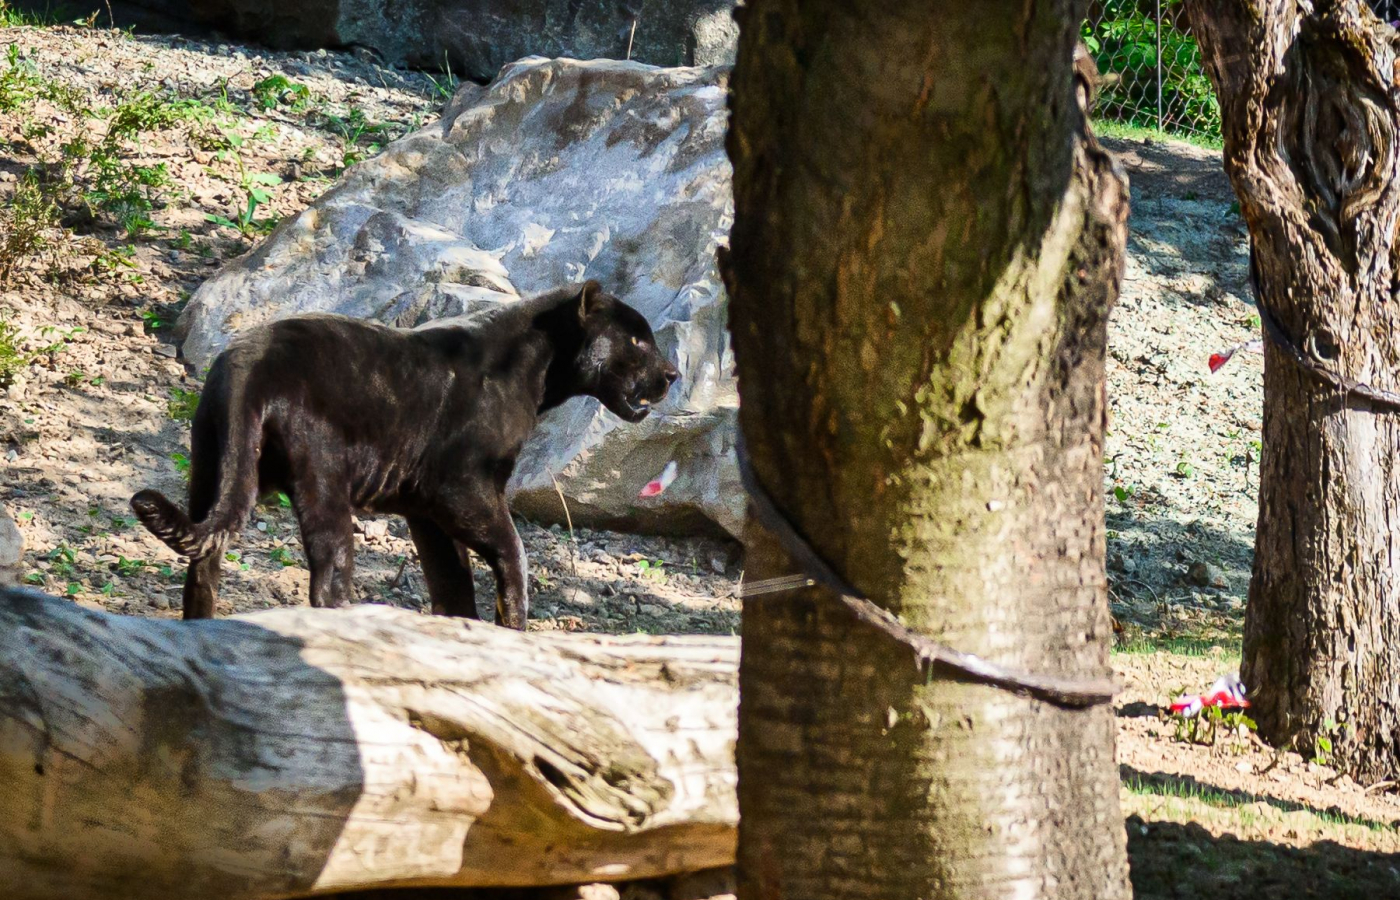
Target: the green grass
pixel 1181 646
pixel 1189 789
pixel 20 18
pixel 1107 128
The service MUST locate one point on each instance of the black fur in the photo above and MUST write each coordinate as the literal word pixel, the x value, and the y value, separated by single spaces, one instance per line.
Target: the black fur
pixel 345 415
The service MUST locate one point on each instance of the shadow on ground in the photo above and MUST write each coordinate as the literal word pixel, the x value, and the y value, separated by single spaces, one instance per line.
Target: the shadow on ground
pixel 1171 861
pixel 1156 580
pixel 1186 785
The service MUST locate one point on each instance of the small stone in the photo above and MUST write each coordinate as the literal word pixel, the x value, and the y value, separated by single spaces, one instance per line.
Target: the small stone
pixel 160 601
pixel 165 350
pixel 1128 566
pixel 579 598
pixel 718 564
pixel 1203 574
pixel 375 528
pixel 261 526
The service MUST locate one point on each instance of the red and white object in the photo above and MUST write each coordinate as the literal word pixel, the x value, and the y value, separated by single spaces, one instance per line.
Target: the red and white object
pixel 660 482
pixel 1227 693
pixel 1219 359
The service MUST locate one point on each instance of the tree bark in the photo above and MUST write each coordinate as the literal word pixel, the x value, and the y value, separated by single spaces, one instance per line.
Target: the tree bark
pixel 1310 113
pixel 926 244
pixel 298 752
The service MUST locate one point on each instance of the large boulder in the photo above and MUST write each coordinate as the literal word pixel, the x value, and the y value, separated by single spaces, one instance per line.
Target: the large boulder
pixel 478 37
pixel 558 171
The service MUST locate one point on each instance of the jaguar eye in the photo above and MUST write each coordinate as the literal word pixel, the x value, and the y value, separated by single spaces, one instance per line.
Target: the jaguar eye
pixel 635 342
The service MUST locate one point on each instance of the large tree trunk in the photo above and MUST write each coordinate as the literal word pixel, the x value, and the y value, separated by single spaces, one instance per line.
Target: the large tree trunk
pixel 925 248
pixel 305 751
pixel 1310 113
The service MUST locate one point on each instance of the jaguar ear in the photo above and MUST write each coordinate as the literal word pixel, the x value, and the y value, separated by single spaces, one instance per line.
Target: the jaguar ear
pixel 588 298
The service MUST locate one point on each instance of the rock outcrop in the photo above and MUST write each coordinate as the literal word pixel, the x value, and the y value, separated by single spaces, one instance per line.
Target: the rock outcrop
pixel 560 170
pixel 477 37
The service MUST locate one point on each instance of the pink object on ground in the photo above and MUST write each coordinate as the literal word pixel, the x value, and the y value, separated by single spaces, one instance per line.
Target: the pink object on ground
pixel 1227 693
pixel 1219 359
pixel 660 482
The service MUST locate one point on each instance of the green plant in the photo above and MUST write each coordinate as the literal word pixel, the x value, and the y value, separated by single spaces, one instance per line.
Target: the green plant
pixel 182 464
pixel 107 183
pixel 1322 741
pixel 278 90
pixel 246 221
pixel 282 556
pixel 444 89
pixel 26 224
pixel 1204 727
pixel 12 361
pixel 654 569
pixel 21 85
pixel 19 18
pixel 62 562
pixel 149 111
pixel 182 404
pixel 353 128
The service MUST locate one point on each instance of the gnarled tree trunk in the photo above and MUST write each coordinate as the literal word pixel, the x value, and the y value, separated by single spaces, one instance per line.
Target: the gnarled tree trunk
pixel 925 248
pixel 1310 111
pixel 300 752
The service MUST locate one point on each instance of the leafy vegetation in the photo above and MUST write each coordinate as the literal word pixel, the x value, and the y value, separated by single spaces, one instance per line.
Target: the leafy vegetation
pixel 278 90
pixel 11 359
pixel 254 187
pixel 182 404
pixel 25 224
pixel 1131 48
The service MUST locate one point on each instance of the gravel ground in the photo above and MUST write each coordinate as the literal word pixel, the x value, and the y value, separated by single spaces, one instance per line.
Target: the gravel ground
pixel 99 404
pixel 1180 468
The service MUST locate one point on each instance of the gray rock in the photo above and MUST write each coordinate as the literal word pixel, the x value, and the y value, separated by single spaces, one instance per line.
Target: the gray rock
pixel 478 37
pixel 559 171
pixel 11 549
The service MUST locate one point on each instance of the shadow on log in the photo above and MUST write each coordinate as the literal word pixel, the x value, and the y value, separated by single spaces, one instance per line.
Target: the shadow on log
pixel 297 752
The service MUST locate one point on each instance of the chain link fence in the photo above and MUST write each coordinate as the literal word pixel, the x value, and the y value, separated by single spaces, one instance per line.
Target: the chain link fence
pixel 1151 66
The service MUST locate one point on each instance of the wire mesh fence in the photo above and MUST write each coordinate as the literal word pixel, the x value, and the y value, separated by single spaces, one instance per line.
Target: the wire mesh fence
pixel 1151 66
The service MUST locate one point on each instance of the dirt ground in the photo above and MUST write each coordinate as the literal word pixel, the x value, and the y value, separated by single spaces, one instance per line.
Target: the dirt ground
pixel 97 406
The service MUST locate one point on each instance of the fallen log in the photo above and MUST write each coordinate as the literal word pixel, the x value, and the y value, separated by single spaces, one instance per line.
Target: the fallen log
pixel 296 752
